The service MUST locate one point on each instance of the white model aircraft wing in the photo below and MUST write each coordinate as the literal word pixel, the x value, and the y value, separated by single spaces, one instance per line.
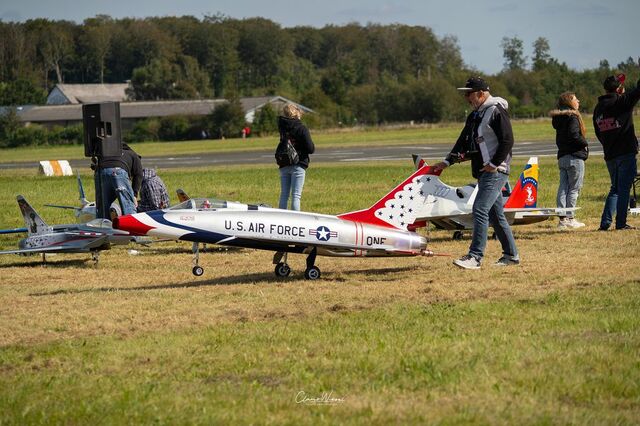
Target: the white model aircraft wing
pixel 551 211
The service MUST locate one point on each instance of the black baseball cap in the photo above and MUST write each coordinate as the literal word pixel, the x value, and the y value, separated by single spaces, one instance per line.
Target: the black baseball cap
pixel 612 82
pixel 474 84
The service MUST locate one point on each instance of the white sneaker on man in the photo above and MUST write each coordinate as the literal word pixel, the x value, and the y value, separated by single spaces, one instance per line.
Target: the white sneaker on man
pixel 467 262
pixel 573 223
pixel 564 223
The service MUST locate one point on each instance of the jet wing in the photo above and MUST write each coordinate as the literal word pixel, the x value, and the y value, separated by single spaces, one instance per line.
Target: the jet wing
pixel 34 250
pixel 13 231
pixel 63 207
pixel 527 216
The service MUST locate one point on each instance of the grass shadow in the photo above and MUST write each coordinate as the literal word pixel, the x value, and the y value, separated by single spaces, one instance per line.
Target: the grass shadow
pixel 248 279
pixel 48 264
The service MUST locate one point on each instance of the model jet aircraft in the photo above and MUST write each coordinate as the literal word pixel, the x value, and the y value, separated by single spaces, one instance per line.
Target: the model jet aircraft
pixel 86 212
pixel 90 237
pixel 284 231
pixel 450 207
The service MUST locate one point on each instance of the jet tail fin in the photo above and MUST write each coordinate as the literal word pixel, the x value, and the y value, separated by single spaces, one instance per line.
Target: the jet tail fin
pixel 81 195
pixel 398 208
pixel 182 196
pixel 35 224
pixel 525 192
pixel 418 161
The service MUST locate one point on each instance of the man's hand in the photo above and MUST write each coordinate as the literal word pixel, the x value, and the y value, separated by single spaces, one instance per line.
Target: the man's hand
pixel 489 168
pixel 438 167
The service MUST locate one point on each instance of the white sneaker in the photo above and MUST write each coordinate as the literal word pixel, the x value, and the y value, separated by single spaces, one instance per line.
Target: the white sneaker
pixel 572 223
pixel 467 262
pixel 564 223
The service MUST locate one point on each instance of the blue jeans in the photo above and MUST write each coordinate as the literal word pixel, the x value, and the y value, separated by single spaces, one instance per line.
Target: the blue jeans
pixel 291 182
pixel 487 207
pixel 111 184
pixel 571 179
pixel 622 171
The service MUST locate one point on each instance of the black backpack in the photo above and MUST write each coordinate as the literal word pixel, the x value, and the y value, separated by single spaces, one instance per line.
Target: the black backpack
pixel 286 154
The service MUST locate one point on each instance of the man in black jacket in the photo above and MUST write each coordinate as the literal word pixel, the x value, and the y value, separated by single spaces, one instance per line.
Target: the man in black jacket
pixel 112 182
pixel 487 140
pixel 613 123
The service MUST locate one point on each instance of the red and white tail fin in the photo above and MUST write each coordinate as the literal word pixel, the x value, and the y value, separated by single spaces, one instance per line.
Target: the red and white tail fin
pixel 398 208
pixel 418 161
pixel 525 192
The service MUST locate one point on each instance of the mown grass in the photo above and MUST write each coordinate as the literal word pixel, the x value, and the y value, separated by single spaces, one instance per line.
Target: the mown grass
pixel 409 340
pixel 568 357
pixel 529 130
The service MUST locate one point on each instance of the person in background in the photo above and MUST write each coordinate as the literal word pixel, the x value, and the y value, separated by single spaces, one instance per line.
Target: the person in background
pixel 153 192
pixel 112 181
pixel 573 150
pixel 487 140
pixel 292 177
pixel 613 123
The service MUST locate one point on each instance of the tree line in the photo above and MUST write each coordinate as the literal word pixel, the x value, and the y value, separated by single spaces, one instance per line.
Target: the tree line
pixel 349 74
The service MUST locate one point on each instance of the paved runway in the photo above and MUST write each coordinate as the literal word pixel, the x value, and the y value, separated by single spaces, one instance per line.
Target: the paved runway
pixel 322 155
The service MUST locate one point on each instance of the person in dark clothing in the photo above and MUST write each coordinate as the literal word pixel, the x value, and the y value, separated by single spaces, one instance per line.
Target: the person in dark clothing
pixel 153 192
pixel 292 177
pixel 613 123
pixel 573 150
pixel 112 182
pixel 487 139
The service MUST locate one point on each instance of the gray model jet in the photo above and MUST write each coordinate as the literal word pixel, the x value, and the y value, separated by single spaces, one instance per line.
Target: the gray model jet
pixel 90 237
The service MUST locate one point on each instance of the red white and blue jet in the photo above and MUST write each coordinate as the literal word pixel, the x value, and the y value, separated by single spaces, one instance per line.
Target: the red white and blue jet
pixel 355 234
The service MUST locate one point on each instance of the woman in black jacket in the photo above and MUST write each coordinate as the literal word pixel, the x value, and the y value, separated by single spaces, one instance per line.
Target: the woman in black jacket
pixel 572 152
pixel 292 177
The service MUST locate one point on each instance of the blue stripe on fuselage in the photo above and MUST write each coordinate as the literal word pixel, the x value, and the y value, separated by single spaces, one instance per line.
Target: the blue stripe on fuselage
pixel 197 235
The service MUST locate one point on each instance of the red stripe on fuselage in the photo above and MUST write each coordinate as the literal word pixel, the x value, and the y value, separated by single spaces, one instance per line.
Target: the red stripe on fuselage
pixel 132 225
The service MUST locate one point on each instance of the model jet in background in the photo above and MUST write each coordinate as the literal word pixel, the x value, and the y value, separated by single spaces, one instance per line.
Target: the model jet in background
pixel 90 237
pixel 450 207
pixel 235 224
pixel 86 212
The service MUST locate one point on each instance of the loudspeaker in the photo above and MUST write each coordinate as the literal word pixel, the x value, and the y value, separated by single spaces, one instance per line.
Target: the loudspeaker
pixel 102 130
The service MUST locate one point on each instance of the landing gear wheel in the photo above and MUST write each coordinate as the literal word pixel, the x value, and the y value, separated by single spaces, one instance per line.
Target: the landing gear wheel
pixel 312 273
pixel 457 235
pixel 198 271
pixel 282 270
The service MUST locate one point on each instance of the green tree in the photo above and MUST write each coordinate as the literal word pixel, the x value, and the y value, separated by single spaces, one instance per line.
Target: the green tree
pixel 513 53
pixel 96 41
pixel 261 47
pixel 227 120
pixel 164 80
pixel 21 92
pixel 541 55
pixel 265 121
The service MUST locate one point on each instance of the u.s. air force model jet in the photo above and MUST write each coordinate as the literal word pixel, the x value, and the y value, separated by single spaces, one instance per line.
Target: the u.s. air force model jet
pixel 354 234
pixel 90 237
pixel 450 208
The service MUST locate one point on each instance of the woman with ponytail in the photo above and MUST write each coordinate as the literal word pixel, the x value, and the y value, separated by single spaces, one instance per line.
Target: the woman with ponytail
pixel 573 150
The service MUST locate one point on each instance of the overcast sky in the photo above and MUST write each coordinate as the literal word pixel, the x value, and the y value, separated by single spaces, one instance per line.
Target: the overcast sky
pixel 580 32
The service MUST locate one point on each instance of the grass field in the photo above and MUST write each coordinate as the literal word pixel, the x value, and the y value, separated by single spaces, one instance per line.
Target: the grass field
pixel 377 341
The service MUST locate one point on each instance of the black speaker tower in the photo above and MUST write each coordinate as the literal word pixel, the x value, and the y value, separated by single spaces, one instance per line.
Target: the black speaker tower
pixel 102 130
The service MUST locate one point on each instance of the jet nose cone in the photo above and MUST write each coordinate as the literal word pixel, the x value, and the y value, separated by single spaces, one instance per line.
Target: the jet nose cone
pixel 131 224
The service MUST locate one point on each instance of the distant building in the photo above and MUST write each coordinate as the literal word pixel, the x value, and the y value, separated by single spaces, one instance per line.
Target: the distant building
pixel 64 105
pixel 66 94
